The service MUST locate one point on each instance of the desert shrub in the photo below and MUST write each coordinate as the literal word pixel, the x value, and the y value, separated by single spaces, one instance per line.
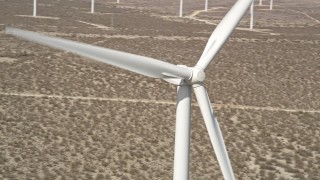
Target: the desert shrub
pixel 299 176
pixel 291 147
pixel 304 153
pixel 272 175
pixel 89 168
pixel 134 171
pixel 123 163
pixel 267 167
pixel 144 167
pixel 292 170
pixel 299 163
pixel 125 177
pixel 275 155
pixel 281 178
pixel 276 150
pixel 313 177
pixel 88 176
pixel 288 159
pixel 107 176
pixel 315 147
pixel 260 160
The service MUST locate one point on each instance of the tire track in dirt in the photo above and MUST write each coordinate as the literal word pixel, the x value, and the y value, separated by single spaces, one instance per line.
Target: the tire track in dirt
pixel 303 13
pixel 96 25
pixel 174 38
pixel 195 13
pixel 218 106
pixel 38 17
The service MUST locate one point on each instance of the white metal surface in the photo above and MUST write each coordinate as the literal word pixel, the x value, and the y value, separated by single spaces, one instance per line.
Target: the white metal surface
pixel 222 32
pixel 214 131
pixel 271 4
pixel 260 2
pixel 251 15
pixel 92 6
pixel 181 8
pixel 182 137
pixel 118 1
pixel 135 63
pixel 34 7
pixel 206 6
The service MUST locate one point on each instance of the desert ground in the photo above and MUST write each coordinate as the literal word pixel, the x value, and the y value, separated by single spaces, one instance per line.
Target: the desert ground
pixel 63 116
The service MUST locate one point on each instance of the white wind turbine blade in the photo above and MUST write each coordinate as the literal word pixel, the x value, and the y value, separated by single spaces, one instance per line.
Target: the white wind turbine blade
pixel 222 32
pixel 182 136
pixel 135 63
pixel 214 131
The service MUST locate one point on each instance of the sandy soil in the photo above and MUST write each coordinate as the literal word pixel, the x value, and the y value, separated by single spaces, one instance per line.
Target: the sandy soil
pixel 66 117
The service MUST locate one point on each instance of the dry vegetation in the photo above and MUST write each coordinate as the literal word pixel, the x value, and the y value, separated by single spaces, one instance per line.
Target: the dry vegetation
pixel 65 117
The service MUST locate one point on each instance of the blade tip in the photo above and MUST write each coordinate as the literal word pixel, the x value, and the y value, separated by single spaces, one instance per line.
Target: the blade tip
pixel 8 30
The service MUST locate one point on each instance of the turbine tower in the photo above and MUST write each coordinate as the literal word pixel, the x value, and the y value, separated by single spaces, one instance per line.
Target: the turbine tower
pixel 34 8
pixel 251 15
pixel 92 6
pixel 181 6
pixel 271 4
pixel 206 6
pixel 185 78
pixel 260 2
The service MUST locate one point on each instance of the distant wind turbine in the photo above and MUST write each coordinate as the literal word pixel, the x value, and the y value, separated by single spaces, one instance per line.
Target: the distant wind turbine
pixel 92 6
pixel 34 7
pixel 271 4
pixel 181 4
pixel 251 16
pixel 206 6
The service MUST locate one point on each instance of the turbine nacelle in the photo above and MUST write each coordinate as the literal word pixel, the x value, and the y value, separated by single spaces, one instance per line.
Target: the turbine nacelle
pixel 197 76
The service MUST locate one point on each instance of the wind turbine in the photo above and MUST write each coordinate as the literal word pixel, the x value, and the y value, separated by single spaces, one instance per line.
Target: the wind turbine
pixel 251 15
pixel 260 2
pixel 186 78
pixel 92 6
pixel 34 7
pixel 206 6
pixel 181 6
pixel 271 4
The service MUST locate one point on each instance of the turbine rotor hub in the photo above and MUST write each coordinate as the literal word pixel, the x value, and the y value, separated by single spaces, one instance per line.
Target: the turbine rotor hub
pixel 198 75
